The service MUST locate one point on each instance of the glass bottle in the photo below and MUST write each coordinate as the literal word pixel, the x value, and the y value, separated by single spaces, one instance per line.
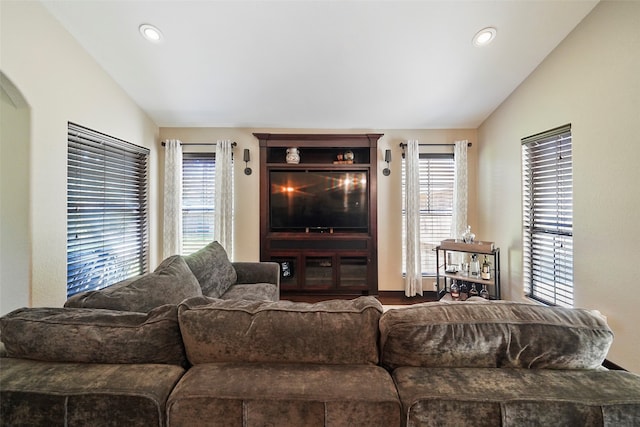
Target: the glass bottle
pixel 475 265
pixel 484 293
pixel 474 291
pixel 486 269
pixel 468 236
pixel 455 291
pixel 464 291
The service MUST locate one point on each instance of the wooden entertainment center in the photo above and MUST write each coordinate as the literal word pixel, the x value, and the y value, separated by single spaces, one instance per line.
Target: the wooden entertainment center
pixel 332 254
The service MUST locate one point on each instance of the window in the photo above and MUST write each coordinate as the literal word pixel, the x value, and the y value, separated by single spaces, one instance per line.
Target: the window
pixel 198 190
pixel 547 215
pixel 107 232
pixel 437 173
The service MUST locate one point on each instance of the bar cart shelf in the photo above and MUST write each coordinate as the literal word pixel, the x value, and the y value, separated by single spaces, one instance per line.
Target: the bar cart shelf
pixel 445 276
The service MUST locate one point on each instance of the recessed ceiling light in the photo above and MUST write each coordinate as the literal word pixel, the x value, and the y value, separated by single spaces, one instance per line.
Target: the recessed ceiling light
pixel 150 33
pixel 484 36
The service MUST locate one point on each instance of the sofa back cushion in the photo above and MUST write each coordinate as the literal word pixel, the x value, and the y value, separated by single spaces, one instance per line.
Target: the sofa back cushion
pixel 329 332
pixel 212 268
pixel 170 283
pixel 94 335
pixel 493 334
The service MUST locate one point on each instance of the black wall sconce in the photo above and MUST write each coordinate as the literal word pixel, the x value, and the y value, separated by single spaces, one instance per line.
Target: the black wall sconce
pixel 246 158
pixel 387 158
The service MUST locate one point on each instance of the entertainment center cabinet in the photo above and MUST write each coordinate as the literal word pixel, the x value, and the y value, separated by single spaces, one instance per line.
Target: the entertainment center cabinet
pixel 318 217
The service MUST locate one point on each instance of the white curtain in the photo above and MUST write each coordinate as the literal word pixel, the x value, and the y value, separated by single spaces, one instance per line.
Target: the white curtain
pixel 172 215
pixel 460 191
pixel 223 202
pixel 413 280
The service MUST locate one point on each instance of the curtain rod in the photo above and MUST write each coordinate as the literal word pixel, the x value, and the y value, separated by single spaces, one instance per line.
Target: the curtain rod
pixel 233 144
pixel 404 144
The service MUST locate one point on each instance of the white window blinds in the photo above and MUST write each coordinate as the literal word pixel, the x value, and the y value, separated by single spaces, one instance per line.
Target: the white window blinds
pixel 547 191
pixel 198 191
pixel 107 228
pixel 437 176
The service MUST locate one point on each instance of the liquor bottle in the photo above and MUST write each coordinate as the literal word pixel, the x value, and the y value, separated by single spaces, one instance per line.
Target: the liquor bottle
pixel 464 291
pixel 484 293
pixel 475 265
pixel 474 291
pixel 455 291
pixel 486 269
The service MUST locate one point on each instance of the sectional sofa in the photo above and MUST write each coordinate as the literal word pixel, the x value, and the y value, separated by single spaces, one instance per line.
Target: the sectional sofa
pixel 213 362
pixel 206 272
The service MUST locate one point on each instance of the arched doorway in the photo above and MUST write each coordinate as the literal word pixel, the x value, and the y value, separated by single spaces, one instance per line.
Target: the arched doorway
pixel 15 241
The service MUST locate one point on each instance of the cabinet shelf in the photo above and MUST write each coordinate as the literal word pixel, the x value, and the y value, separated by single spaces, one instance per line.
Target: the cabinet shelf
pixel 312 165
pixel 471 279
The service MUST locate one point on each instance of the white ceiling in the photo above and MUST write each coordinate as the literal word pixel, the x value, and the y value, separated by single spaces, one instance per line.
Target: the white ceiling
pixel 342 64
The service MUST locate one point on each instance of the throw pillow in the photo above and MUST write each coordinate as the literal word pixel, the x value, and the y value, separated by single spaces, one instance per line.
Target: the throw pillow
pixel 212 268
pixel 170 283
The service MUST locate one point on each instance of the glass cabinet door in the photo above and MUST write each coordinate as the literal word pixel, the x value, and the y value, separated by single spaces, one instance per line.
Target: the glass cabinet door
pixel 318 271
pixel 353 271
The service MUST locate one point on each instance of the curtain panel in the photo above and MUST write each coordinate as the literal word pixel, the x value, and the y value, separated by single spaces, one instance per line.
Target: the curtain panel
pixel 172 214
pixel 413 279
pixel 223 211
pixel 460 191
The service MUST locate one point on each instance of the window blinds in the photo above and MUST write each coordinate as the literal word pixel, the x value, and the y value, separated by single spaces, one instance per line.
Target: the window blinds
pixel 198 191
pixel 437 176
pixel 107 225
pixel 547 191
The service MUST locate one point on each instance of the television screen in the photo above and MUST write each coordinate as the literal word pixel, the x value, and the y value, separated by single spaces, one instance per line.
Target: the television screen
pixel 319 199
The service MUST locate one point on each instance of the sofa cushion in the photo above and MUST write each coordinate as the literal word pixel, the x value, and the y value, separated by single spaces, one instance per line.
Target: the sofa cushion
pixel 252 395
pixel 94 335
pixel 212 268
pixel 36 393
pixel 253 292
pixel 517 397
pixel 493 334
pixel 330 332
pixel 170 283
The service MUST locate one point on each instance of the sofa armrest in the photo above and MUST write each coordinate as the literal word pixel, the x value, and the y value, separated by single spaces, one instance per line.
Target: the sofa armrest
pixel 257 272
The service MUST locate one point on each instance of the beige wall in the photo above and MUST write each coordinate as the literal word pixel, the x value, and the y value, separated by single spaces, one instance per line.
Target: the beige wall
pixel 591 81
pixel 60 82
pixel 247 220
pixel 15 247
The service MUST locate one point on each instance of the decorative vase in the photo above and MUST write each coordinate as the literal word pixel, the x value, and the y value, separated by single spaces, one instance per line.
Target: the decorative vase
pixel 348 155
pixel 468 236
pixel 293 155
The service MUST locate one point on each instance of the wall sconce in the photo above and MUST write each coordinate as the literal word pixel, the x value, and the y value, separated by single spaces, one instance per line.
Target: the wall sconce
pixel 246 158
pixel 387 158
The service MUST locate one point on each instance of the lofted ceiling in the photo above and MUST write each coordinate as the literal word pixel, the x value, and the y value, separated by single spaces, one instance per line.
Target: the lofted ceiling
pixel 340 64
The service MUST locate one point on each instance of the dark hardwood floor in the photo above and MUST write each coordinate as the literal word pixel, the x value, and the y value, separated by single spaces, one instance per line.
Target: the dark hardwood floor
pixel 385 297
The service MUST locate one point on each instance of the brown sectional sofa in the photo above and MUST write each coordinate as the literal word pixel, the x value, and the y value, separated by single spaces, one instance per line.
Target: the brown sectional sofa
pixel 283 364
pixel 206 272
pixel 505 364
pixel 334 363
pixel 89 367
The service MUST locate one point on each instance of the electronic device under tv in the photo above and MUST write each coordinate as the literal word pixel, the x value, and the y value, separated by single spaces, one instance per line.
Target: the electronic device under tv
pixel 316 200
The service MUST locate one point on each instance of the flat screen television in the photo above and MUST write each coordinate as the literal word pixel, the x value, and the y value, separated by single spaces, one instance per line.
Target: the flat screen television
pixel 318 200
